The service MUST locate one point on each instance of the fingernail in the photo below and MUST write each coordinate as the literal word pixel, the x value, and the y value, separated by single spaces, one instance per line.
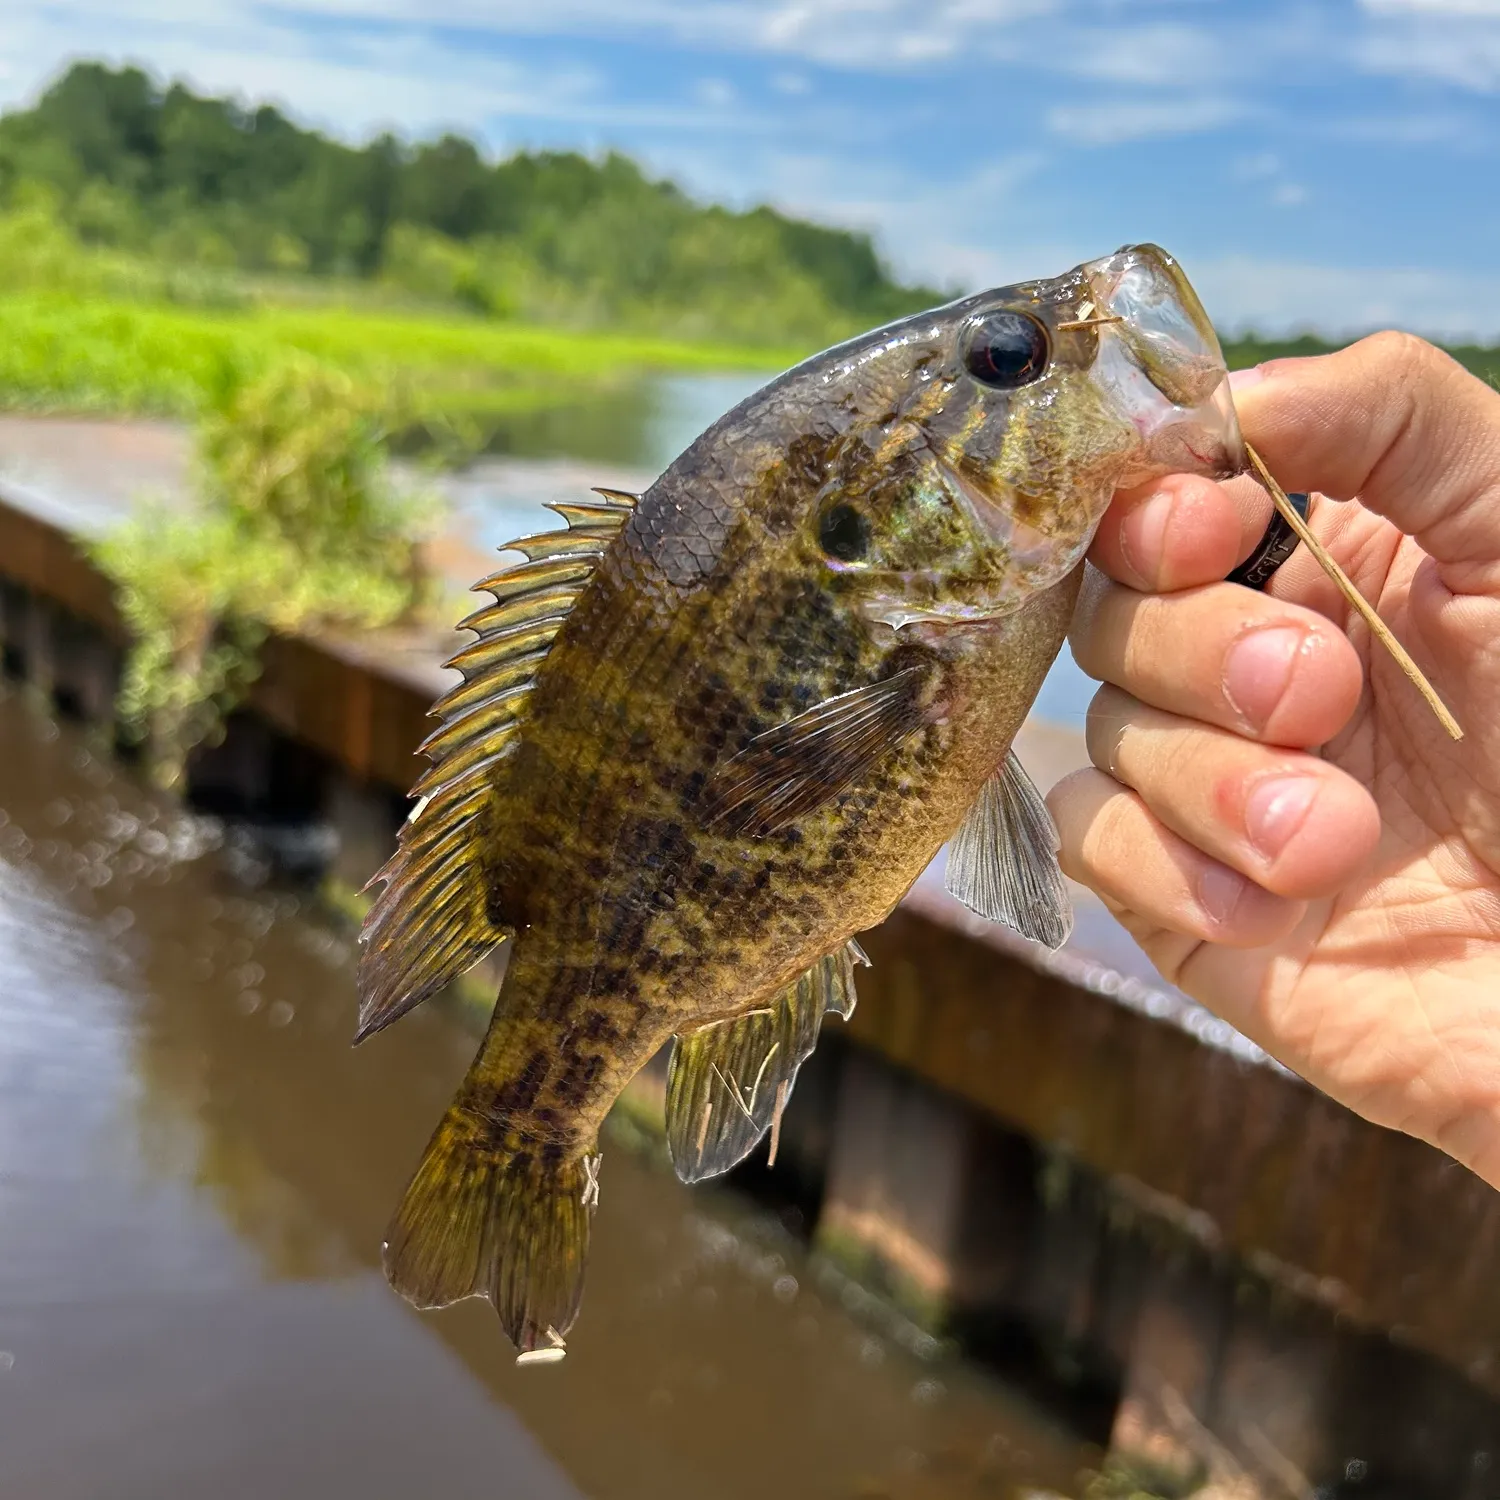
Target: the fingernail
pixel 1242 380
pixel 1219 892
pixel 1140 537
pixel 1258 669
pixel 1274 811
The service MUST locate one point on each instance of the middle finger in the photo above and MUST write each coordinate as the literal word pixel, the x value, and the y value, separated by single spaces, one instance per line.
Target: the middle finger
pixel 1223 654
pixel 1294 824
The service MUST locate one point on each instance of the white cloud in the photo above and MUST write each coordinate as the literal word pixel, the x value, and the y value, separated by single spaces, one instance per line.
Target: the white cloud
pixel 1471 62
pixel 1255 167
pixel 1145 54
pixel 1452 41
pixel 1483 8
pixel 944 232
pixel 1112 122
pixel 352 81
pixel 360 65
pixel 874 35
pixel 880 34
pixel 716 93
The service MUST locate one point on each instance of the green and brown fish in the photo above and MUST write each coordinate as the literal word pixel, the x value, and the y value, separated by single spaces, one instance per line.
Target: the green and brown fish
pixel 707 735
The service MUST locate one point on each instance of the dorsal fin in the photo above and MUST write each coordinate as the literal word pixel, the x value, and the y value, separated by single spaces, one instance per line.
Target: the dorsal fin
pixel 433 918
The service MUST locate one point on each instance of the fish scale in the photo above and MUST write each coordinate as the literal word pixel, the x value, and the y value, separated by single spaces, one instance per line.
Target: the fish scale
pixel 790 673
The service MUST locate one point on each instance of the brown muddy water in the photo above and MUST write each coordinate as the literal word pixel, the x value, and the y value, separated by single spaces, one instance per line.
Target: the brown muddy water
pixel 195 1169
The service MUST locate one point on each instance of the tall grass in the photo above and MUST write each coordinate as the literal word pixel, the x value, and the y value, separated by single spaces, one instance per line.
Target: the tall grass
pixel 59 351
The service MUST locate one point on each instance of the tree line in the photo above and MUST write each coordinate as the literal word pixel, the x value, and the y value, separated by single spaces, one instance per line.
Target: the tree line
pixel 157 170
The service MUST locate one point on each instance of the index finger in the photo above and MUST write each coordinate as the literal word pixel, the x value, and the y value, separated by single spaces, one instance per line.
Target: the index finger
pixel 1398 425
pixel 1179 532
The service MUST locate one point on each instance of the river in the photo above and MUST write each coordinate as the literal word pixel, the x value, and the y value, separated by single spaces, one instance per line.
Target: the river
pixel 195 1169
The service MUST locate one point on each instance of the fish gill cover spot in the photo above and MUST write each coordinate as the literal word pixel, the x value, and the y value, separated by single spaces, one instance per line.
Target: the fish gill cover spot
pixel 844 533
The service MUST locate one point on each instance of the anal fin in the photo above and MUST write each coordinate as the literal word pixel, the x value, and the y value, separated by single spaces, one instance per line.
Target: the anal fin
pixel 729 1081
pixel 1002 863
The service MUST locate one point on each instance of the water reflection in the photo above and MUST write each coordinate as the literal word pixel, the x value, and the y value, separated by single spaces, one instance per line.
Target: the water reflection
pixel 640 423
pixel 194 1172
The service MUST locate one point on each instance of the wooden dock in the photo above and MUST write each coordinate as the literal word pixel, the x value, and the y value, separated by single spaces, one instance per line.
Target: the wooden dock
pixel 1053 1159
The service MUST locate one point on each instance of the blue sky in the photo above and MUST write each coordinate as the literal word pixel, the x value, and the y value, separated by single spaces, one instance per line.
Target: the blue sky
pixel 1332 164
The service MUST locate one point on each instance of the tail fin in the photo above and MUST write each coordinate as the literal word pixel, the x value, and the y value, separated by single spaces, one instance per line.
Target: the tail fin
pixel 492 1214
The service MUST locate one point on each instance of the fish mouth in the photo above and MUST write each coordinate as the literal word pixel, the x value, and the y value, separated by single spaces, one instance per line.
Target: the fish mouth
pixel 1160 365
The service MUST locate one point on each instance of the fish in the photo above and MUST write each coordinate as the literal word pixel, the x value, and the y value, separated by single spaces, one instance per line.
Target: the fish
pixel 707 735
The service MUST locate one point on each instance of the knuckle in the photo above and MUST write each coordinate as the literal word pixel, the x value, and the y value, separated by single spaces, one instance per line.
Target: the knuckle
pixel 1404 355
pixel 1178 760
pixel 1101 623
pixel 1139 626
pixel 1116 832
pixel 1110 713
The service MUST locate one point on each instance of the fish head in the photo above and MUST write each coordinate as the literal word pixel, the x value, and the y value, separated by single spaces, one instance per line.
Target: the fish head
pixel 997 429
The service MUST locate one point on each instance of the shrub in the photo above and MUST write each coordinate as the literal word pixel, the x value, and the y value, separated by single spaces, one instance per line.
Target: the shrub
pixel 297 526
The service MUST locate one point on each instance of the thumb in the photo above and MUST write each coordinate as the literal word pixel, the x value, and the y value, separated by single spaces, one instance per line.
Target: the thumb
pixel 1397 424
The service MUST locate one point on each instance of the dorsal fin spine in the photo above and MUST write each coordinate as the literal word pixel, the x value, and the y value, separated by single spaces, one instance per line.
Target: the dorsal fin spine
pixel 493 720
pixel 497 646
pixel 522 578
pixel 459 729
pixel 455 770
pixel 458 700
pixel 524 609
pixel 433 916
pixel 546 545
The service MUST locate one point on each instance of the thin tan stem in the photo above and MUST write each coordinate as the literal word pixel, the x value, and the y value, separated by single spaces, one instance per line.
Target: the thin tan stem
pixel 1357 601
pixel 1097 322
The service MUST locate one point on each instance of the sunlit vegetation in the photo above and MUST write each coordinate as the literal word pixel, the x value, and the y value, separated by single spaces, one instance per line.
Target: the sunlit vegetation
pixel 243 201
pixel 296 526
pixel 111 355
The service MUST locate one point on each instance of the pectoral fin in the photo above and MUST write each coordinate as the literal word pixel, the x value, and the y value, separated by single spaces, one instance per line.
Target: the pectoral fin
pixel 1003 862
pixel 729 1081
pixel 799 766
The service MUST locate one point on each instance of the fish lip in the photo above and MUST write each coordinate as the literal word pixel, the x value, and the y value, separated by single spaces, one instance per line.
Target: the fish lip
pixel 1162 367
pixel 1161 322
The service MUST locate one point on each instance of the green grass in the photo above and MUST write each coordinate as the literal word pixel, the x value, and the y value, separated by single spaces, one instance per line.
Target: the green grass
pixel 63 353
pixel 1239 353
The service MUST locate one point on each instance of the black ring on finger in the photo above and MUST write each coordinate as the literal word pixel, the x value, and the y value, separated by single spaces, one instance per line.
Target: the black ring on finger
pixel 1273 549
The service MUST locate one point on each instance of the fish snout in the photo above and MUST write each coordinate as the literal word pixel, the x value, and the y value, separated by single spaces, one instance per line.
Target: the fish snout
pixel 1161 367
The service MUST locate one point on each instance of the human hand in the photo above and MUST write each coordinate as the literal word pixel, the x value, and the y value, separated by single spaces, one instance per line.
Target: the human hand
pixel 1341 909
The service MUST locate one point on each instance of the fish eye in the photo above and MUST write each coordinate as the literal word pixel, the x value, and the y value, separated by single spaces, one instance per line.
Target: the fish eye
pixel 844 533
pixel 1007 350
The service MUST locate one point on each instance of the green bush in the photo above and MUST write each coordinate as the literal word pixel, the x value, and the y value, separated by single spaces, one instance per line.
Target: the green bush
pixel 297 527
